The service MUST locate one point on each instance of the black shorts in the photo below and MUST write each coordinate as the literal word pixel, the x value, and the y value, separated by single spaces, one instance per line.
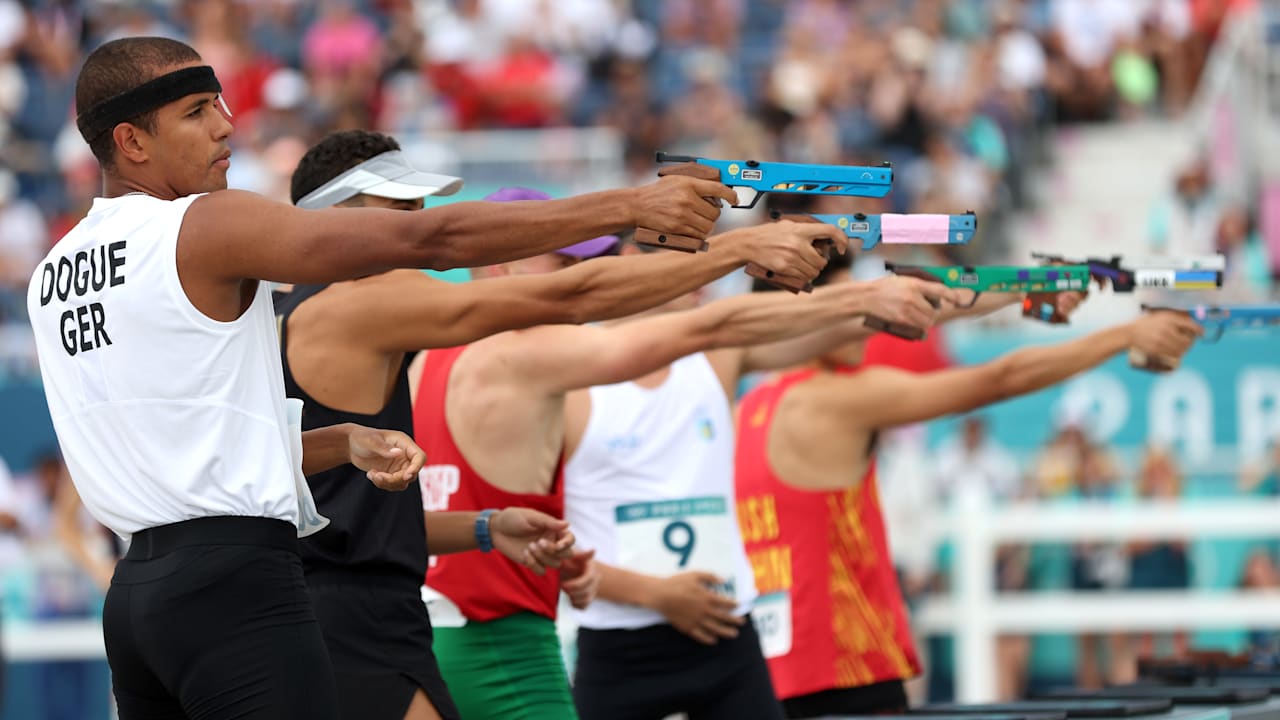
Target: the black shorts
pixel 653 672
pixel 211 618
pixel 379 637
pixel 882 698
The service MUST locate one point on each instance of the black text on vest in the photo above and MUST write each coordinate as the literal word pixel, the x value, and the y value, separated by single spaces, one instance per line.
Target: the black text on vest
pixel 83 327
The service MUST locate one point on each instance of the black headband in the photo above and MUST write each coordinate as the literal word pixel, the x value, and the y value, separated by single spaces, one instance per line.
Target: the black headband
pixel 146 97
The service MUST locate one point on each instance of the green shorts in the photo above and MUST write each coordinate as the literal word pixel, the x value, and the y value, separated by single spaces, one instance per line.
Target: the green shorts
pixel 506 669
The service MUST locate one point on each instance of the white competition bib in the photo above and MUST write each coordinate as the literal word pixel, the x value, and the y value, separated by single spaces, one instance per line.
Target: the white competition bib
pixel 673 536
pixel 772 618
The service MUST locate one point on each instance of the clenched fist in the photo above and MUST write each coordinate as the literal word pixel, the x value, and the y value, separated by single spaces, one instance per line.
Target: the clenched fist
pixel 680 205
pixel 909 301
pixel 786 248
pixel 1160 339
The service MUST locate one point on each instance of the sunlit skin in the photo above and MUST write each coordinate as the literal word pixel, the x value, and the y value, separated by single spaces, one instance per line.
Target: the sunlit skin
pixel 188 153
pixel 540 264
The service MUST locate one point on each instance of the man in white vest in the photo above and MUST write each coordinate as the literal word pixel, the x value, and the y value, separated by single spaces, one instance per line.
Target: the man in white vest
pixel 161 366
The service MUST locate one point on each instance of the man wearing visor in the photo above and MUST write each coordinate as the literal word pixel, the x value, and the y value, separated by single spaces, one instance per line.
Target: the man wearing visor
pixel 161 365
pixel 346 348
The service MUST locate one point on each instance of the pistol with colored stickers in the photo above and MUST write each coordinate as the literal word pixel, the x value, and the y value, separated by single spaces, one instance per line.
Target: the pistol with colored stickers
pixel 759 178
pixel 888 228
pixel 898 229
pixel 1125 274
pixel 986 278
pixel 1215 317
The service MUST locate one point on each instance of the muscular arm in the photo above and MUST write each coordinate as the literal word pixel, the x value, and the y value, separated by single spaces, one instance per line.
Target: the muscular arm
pixel 563 358
pixel 881 397
pixel 797 350
pixel 231 235
pixel 408 311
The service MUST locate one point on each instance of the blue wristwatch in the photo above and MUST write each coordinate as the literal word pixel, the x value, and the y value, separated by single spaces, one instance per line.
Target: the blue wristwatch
pixel 483 538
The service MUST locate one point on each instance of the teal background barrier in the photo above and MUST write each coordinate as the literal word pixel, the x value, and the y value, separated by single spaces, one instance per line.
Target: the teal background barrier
pixel 1225 395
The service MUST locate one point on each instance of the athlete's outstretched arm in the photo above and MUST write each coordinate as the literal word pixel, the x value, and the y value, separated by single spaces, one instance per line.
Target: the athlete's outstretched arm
pixel 794 351
pixel 881 397
pixel 407 311
pixel 685 599
pixel 563 358
pixel 233 235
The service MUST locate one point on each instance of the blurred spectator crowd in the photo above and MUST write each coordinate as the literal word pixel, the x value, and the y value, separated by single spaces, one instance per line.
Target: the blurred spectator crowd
pixel 957 94
pixel 960 95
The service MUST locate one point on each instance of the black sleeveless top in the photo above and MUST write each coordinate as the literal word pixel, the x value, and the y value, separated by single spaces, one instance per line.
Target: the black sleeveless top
pixel 371 532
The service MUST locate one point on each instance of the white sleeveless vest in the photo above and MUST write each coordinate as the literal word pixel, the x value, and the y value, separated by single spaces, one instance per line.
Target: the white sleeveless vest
pixel 163 413
pixel 650 488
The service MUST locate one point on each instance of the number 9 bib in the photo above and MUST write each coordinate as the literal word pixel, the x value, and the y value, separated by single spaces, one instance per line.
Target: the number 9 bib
pixel 674 536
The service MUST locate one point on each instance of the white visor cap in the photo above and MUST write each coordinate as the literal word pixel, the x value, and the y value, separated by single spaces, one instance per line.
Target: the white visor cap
pixel 389 175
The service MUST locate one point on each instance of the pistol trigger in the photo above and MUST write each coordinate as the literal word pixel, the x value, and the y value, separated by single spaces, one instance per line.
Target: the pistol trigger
pixel 754 198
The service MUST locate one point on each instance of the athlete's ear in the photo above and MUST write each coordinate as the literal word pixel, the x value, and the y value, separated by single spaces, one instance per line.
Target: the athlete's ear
pixel 130 142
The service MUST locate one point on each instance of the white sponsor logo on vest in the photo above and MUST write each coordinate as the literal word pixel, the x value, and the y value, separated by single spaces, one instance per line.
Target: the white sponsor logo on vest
pixel 439 482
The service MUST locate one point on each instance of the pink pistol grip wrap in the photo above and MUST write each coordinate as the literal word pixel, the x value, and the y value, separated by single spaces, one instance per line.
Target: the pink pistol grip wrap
pixel 923 229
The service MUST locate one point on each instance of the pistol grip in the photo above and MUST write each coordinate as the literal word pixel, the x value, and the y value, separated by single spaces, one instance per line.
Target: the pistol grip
pixel 761 273
pixel 1152 363
pixel 653 238
pixel 906 332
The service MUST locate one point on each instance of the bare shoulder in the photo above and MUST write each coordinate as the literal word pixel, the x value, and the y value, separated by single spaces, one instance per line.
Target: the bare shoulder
pixel 234 206
pixel 217 222
pixel 544 359
pixel 835 390
pixel 368 298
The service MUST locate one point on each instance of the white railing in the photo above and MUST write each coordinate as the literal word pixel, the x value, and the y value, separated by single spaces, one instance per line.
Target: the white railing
pixel 975 613
pixel 577 159
pixel 51 640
